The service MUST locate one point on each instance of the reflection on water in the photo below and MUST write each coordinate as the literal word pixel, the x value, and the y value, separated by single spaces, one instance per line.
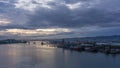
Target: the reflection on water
pixel 35 56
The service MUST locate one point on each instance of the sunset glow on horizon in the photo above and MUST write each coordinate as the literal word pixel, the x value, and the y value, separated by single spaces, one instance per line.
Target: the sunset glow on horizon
pixel 34 32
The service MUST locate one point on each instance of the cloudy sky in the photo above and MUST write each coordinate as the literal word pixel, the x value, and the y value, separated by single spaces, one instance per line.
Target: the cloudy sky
pixel 59 18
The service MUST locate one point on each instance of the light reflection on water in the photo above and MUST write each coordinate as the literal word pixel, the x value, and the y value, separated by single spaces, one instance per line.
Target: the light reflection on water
pixel 35 56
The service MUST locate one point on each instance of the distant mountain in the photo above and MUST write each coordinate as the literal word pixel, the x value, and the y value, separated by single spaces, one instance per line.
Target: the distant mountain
pixel 115 38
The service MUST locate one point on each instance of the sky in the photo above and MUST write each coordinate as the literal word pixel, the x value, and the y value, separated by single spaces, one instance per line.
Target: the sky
pixel 59 18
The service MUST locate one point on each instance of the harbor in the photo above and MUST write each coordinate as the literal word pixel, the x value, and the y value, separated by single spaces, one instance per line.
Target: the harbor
pixel 107 48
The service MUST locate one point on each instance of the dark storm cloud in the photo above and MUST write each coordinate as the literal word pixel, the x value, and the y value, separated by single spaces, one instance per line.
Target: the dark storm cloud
pixel 51 18
pixel 62 16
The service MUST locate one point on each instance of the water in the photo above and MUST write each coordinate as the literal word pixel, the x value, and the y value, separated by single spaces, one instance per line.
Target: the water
pixel 29 56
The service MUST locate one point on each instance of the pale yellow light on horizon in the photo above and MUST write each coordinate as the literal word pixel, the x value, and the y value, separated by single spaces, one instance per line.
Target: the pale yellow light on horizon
pixel 34 32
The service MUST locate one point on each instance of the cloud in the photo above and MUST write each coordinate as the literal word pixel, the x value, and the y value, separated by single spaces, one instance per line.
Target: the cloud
pixel 9 16
pixel 83 17
pixel 74 6
pixel 31 5
pixel 73 19
pixel 4 22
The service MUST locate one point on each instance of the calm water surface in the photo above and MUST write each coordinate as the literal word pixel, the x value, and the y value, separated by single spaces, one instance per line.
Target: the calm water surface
pixel 35 56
